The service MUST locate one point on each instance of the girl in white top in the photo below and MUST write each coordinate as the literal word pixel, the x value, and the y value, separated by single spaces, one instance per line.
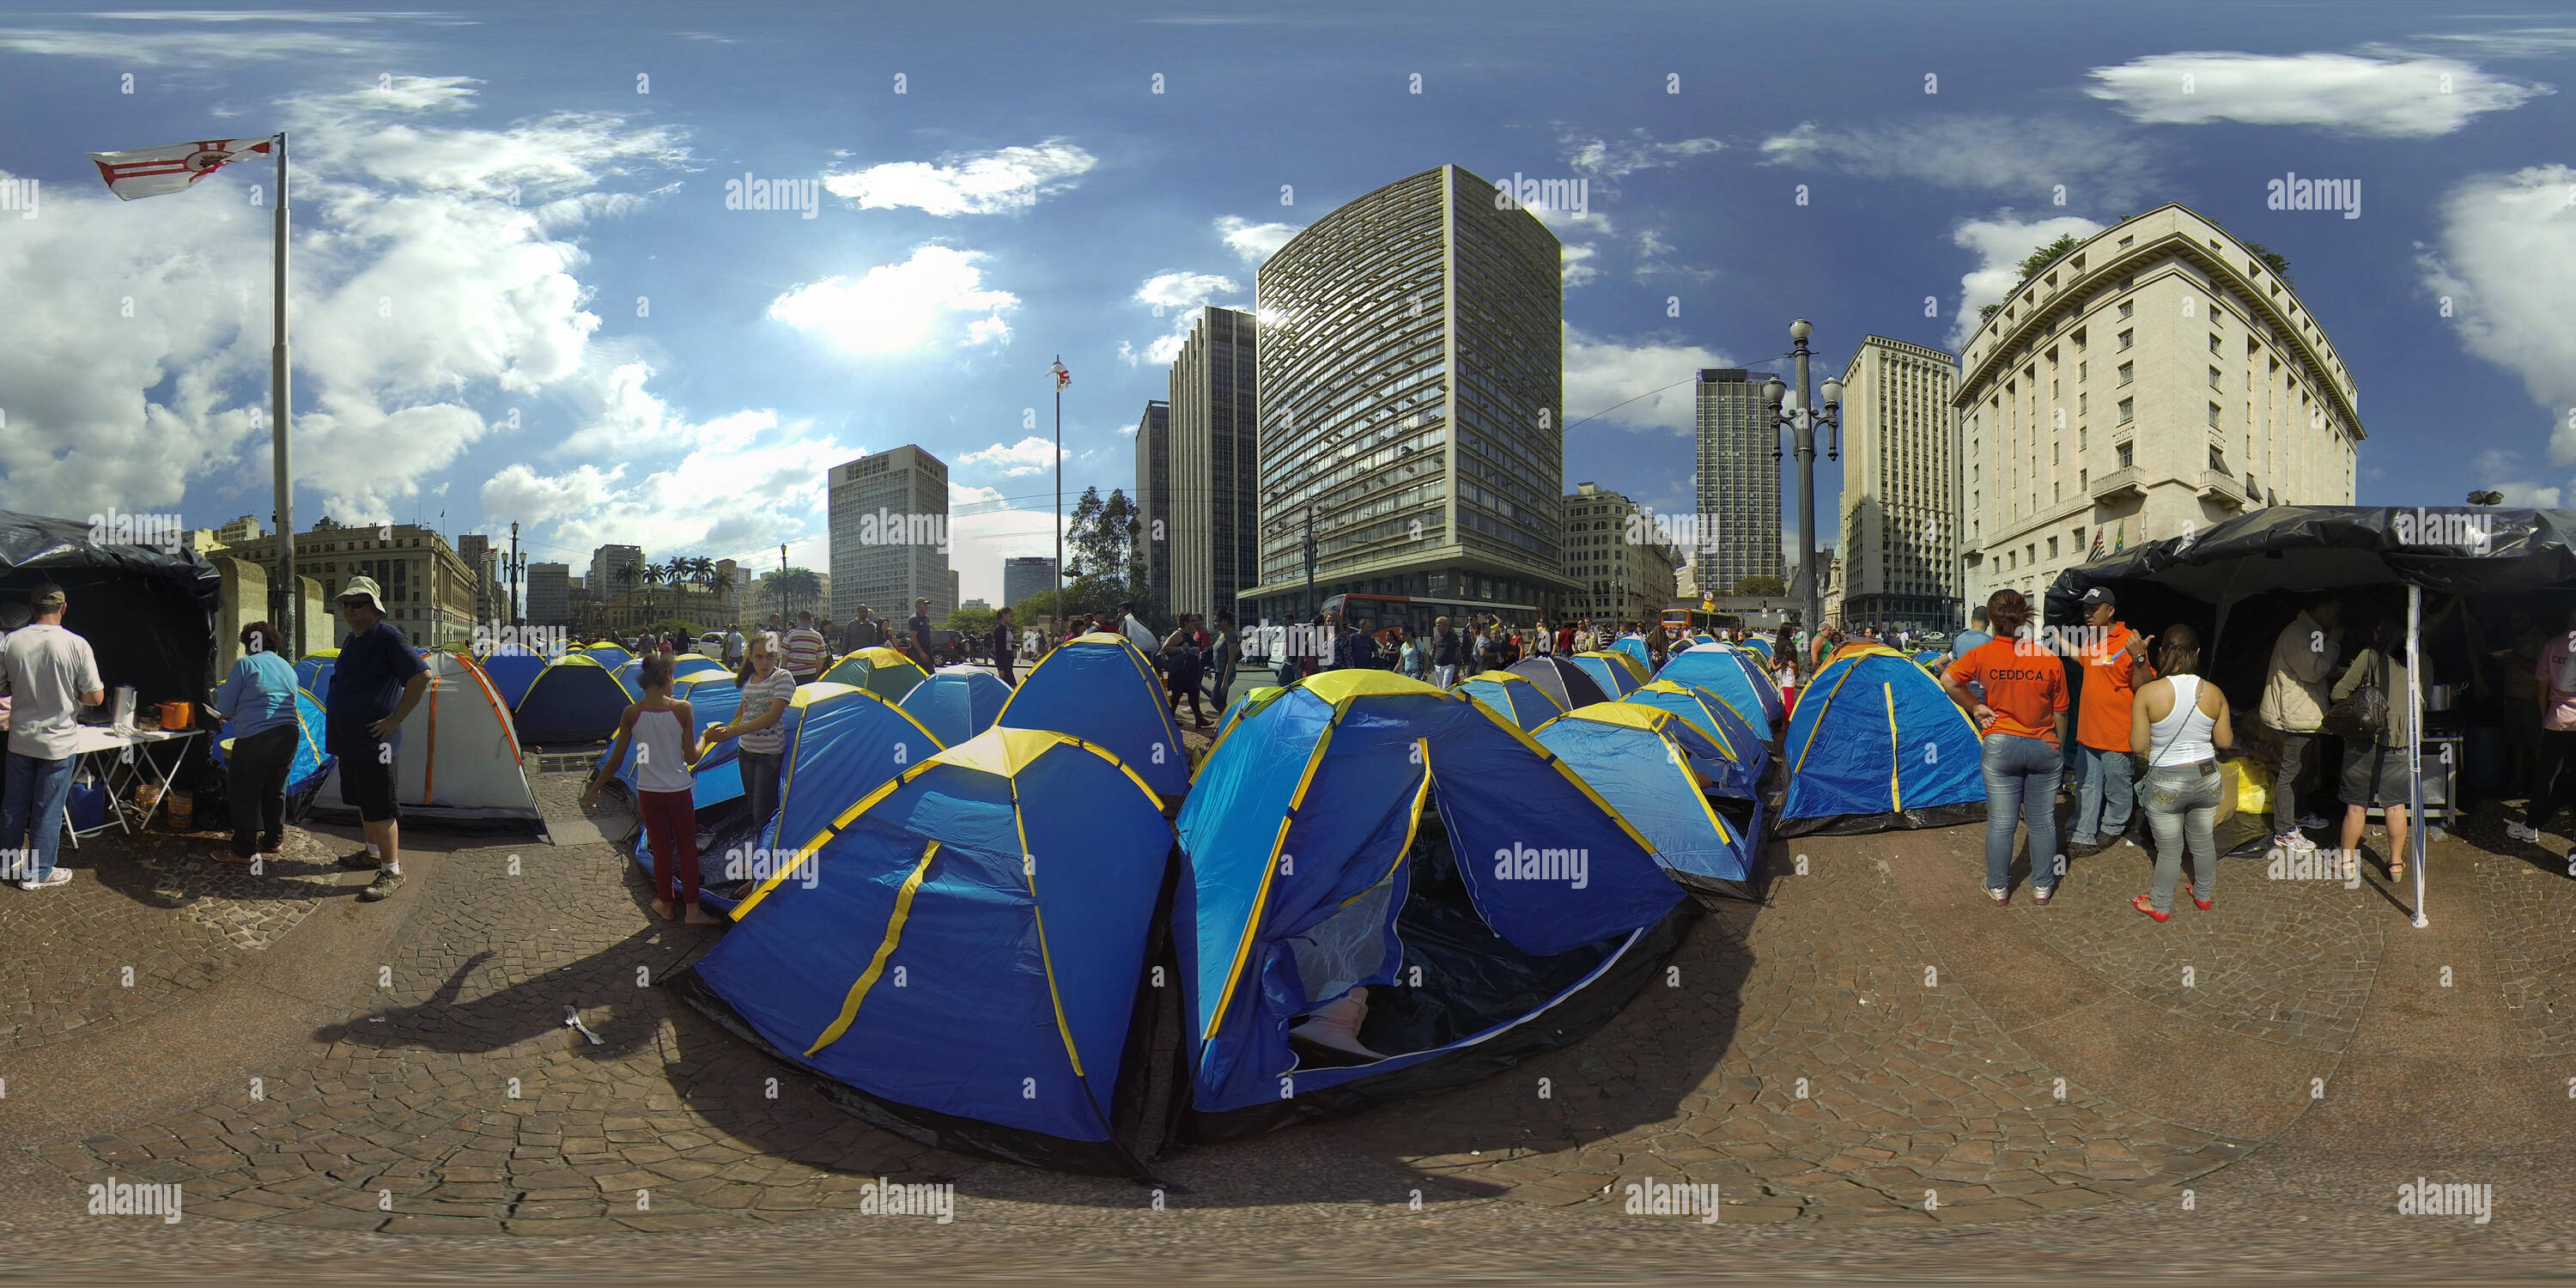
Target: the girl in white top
pixel 658 728
pixel 2177 726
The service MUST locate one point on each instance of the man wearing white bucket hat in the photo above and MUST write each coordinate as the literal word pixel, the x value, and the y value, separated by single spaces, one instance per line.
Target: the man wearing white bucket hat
pixel 374 686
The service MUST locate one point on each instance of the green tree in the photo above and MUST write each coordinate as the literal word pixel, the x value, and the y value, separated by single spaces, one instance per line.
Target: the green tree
pixel 2272 260
pixel 2032 263
pixel 973 623
pixel 1761 586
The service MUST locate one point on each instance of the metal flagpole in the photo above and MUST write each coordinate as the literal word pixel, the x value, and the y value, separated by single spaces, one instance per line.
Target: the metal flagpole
pixel 281 398
pixel 2415 745
pixel 1054 373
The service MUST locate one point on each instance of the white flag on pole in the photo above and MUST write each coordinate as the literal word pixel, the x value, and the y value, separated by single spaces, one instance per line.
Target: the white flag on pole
pixel 1062 376
pixel 150 172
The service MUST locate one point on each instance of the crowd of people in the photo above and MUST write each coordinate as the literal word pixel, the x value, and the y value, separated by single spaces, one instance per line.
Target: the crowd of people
pixel 2141 732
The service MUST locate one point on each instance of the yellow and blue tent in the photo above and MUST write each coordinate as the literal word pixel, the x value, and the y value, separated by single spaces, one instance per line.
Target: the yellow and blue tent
pixel 1617 674
pixel 1511 697
pixel 842 742
pixel 313 673
pixel 1730 728
pixel 959 952
pixel 512 668
pixel 310 765
pixel 631 673
pixel 882 671
pixel 1098 688
pixel 1633 647
pixel 1876 745
pixel 957 703
pixel 1361 824
pixel 1732 674
pixel 577 698
pixel 608 655
pixel 1658 769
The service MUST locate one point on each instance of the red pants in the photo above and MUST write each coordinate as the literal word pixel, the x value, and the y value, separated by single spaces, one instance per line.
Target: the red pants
pixel 671 829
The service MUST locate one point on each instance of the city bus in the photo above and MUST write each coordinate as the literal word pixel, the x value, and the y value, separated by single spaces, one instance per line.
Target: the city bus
pixel 1687 618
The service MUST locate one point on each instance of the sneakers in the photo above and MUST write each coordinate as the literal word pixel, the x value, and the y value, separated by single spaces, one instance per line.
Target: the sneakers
pixel 1331 1036
pixel 2523 832
pixel 360 860
pixel 2310 822
pixel 387 881
pixel 59 876
pixel 223 854
pixel 2040 894
pixel 2084 849
pixel 1999 895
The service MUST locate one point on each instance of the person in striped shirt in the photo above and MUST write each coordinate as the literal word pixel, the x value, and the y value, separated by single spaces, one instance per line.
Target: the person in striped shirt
pixel 806 650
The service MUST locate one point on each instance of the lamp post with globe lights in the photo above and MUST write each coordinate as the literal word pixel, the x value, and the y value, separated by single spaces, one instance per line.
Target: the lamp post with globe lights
pixel 1801 425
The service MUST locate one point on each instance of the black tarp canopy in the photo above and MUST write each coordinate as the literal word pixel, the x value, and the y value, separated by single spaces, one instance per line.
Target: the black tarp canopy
pixel 148 613
pixel 2256 566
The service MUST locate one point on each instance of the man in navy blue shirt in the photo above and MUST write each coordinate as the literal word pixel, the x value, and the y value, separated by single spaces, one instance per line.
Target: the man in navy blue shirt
pixel 919 628
pixel 374 686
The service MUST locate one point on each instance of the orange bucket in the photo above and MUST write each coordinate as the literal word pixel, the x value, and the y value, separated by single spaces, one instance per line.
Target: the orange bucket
pixel 177 715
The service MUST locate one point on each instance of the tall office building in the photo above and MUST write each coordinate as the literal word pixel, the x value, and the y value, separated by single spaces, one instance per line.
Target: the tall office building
pixel 1900 508
pixel 1619 580
pixel 1214 546
pixel 1153 497
pixel 1411 404
pixel 1025 576
pixel 2220 394
pixel 1739 483
pixel 549 594
pixel 605 561
pixel 889 525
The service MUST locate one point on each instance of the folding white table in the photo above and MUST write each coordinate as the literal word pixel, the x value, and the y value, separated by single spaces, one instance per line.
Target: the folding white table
pixel 125 757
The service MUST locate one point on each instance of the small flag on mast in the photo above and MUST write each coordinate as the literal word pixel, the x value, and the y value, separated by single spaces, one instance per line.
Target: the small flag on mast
pixel 1062 376
pixel 150 172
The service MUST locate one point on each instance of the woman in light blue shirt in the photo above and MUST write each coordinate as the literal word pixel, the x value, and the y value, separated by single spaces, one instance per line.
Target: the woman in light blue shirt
pixel 258 701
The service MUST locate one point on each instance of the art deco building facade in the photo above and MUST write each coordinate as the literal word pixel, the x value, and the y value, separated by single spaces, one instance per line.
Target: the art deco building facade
pixel 2153 381
pixel 1618 579
pixel 1412 380
pixel 1899 548
pixel 1214 545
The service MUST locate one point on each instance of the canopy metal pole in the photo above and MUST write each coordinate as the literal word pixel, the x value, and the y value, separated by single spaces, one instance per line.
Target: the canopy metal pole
pixel 2415 742
pixel 281 438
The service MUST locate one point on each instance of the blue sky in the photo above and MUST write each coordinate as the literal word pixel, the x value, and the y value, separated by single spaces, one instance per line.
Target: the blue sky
pixel 484 194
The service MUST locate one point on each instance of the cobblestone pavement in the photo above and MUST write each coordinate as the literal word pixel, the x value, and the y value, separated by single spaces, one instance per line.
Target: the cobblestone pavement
pixel 1876 1048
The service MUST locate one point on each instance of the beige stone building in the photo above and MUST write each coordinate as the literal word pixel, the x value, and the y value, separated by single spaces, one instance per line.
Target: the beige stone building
pixel 1899 548
pixel 428 589
pixel 1624 568
pixel 2153 381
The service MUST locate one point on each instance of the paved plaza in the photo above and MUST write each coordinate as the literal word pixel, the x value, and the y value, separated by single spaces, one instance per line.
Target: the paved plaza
pixel 1881 1073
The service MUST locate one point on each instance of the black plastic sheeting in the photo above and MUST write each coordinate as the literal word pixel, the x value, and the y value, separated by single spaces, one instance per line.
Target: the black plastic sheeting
pixel 148 614
pixel 1885 821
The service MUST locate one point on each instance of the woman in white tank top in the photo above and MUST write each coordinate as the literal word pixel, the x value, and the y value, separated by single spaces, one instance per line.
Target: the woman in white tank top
pixel 662 732
pixel 2177 728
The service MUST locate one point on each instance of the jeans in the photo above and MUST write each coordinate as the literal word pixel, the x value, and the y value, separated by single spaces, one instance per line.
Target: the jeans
pixel 760 787
pixel 2181 803
pixel 2296 750
pixel 2103 797
pixel 256 787
pixel 2556 784
pixel 33 815
pixel 2021 787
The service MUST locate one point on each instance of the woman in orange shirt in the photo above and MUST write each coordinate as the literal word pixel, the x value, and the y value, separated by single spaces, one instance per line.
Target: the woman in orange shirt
pixel 2023 718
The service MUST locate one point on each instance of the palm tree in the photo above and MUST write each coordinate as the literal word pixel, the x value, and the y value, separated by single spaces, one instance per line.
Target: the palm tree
pixel 653 576
pixel 631 572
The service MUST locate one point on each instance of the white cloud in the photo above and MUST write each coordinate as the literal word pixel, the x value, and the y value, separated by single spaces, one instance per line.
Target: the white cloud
pixel 998 182
pixel 2504 471
pixel 187 49
pixel 2519 42
pixel 1577 269
pixel 1654 259
pixel 1183 290
pixel 2390 95
pixel 1031 455
pixel 2001 244
pixel 425 303
pixel 1561 221
pixel 893 308
pixel 1253 242
pixel 2505 261
pixel 1611 158
pixel 2097 164
pixel 1602 373
pixel 961 494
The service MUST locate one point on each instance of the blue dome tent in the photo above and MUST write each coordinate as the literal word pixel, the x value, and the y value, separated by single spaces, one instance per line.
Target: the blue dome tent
pixel 842 743
pixel 1876 745
pixel 631 672
pixel 1732 674
pixel 512 668
pixel 1511 697
pixel 1634 648
pixel 304 774
pixel 1617 674
pixel 313 673
pixel 1098 688
pixel 958 955
pixel 1718 719
pixel 957 704
pixel 608 655
pixel 575 699
pixel 1657 769
pixel 713 699
pixel 1339 835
